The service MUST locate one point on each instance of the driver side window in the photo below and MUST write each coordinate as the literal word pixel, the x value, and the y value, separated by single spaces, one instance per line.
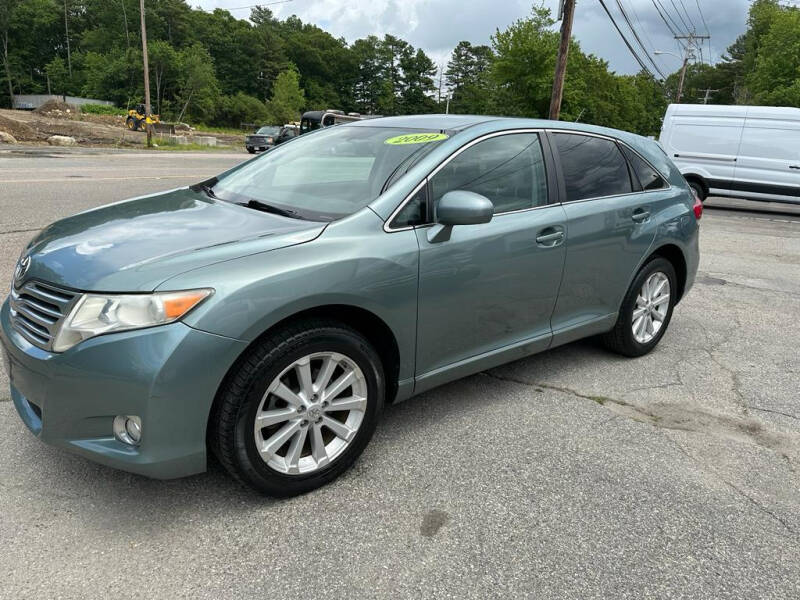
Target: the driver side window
pixel 508 169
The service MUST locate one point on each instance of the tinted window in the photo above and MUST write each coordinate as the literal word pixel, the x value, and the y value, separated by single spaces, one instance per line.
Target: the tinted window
pixel 508 169
pixel 415 212
pixel 647 176
pixel 593 167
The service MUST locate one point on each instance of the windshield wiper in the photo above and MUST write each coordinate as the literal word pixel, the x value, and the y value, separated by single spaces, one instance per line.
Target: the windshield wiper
pixel 263 206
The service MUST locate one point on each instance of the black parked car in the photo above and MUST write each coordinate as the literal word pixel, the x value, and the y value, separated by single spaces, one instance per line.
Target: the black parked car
pixel 269 136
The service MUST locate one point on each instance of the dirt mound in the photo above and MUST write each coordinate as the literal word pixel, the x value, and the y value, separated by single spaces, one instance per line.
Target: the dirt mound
pixel 18 129
pixel 56 108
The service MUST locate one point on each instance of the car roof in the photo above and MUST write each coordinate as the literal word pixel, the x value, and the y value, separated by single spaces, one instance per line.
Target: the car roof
pixel 456 123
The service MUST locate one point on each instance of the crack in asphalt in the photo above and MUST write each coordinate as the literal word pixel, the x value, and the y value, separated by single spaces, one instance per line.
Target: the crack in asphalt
pixel 20 231
pixel 693 420
pixel 777 412
pixel 682 417
pixel 711 280
pixel 739 491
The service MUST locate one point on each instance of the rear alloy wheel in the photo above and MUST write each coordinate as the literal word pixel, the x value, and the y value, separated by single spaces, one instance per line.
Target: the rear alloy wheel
pixel 299 409
pixel 646 310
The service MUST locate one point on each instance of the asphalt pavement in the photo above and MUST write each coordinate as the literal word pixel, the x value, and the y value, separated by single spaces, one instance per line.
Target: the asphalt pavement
pixel 571 474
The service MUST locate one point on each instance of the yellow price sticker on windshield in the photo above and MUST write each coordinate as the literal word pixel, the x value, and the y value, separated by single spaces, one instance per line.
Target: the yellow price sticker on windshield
pixel 416 138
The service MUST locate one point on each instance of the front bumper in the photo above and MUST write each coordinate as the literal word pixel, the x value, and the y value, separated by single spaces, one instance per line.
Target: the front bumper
pixel 167 375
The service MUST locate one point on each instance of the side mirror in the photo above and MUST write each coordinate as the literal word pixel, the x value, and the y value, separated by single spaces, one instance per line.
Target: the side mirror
pixel 460 207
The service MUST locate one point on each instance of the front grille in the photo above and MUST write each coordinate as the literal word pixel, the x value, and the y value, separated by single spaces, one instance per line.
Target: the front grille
pixel 257 139
pixel 37 310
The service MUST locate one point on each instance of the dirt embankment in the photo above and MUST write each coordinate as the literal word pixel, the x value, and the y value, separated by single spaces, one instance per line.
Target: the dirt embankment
pixel 59 118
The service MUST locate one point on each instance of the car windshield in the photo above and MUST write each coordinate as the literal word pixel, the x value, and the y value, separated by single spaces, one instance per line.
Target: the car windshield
pixel 328 174
pixel 271 130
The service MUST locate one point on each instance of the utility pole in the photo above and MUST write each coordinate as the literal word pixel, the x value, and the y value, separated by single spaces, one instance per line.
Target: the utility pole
pixel 66 31
pixel 147 110
pixel 707 96
pixel 439 99
pixel 691 44
pixel 566 12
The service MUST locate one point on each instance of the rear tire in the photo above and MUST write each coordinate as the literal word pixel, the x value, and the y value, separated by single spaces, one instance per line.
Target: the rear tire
pixel 634 337
pixel 315 450
pixel 698 189
pixel 130 123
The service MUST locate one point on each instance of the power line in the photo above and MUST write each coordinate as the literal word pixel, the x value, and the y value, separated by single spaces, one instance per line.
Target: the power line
pixel 700 10
pixel 625 40
pixel 638 39
pixel 664 16
pixel 687 15
pixel 675 6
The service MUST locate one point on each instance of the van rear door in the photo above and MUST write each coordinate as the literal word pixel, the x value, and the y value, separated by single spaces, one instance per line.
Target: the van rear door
pixel 768 165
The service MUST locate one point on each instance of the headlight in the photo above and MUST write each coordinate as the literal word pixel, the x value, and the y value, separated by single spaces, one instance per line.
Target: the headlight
pixel 95 314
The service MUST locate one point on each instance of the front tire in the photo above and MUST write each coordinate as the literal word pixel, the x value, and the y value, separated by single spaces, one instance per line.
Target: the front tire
pixel 251 150
pixel 299 408
pixel 646 310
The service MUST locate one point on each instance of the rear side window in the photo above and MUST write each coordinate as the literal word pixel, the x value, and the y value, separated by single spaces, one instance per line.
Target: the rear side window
pixel 648 177
pixel 508 169
pixel 593 167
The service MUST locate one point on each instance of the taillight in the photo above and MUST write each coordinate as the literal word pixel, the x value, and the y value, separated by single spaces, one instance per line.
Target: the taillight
pixel 698 207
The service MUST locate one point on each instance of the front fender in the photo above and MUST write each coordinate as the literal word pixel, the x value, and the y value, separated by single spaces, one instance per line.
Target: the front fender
pixel 354 262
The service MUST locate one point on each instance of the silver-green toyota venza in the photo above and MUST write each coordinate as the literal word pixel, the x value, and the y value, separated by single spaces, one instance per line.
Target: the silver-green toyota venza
pixel 269 313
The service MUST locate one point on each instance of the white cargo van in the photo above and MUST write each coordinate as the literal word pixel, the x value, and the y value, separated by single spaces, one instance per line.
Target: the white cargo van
pixel 742 151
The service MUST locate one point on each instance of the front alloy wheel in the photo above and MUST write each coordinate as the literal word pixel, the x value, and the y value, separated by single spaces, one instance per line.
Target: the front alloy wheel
pixel 310 413
pixel 299 408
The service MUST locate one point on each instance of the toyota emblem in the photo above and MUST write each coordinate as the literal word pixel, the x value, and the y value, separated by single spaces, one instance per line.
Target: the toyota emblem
pixel 22 267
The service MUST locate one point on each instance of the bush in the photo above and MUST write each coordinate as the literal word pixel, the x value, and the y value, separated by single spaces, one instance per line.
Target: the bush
pixel 241 108
pixel 102 109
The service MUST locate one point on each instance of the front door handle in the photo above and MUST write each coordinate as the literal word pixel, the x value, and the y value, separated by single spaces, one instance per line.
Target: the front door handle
pixel 640 215
pixel 794 166
pixel 550 237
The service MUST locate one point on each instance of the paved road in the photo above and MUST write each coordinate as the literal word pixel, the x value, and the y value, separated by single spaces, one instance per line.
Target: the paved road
pixel 572 474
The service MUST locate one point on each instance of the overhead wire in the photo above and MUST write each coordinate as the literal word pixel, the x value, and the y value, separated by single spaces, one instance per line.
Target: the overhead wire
pixel 694 29
pixel 638 39
pixel 625 40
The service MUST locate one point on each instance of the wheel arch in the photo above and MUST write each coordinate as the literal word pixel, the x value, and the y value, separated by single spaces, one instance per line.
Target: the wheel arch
pixel 699 179
pixel 674 255
pixel 367 323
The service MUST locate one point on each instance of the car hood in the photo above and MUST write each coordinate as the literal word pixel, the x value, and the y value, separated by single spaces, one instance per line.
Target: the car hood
pixel 137 244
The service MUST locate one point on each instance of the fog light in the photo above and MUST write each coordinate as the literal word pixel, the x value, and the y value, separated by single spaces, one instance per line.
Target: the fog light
pixel 128 429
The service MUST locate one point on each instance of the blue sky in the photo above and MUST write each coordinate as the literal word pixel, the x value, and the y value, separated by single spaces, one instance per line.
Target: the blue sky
pixel 438 25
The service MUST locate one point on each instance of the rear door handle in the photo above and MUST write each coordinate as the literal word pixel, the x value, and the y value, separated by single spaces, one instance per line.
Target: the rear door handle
pixel 640 215
pixel 550 237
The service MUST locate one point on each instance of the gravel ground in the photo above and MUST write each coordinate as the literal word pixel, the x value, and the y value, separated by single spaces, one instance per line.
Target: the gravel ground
pixel 571 474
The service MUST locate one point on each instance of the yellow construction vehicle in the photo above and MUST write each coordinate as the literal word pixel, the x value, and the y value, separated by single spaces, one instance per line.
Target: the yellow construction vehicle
pixel 137 121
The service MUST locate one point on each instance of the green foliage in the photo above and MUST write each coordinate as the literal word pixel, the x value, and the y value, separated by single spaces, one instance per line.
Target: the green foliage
pixel 215 68
pixel 102 109
pixel 241 108
pixel 288 98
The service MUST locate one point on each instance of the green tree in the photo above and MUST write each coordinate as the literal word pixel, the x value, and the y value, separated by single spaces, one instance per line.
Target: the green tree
pixel 288 97
pixel 197 83
pixel 163 62
pixel 776 77
pixel 467 78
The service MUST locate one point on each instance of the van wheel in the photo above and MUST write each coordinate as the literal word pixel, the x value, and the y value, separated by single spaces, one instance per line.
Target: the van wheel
pixel 698 189
pixel 299 408
pixel 646 310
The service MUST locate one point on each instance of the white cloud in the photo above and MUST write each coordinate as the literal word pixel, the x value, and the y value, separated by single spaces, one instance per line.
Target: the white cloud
pixel 438 25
